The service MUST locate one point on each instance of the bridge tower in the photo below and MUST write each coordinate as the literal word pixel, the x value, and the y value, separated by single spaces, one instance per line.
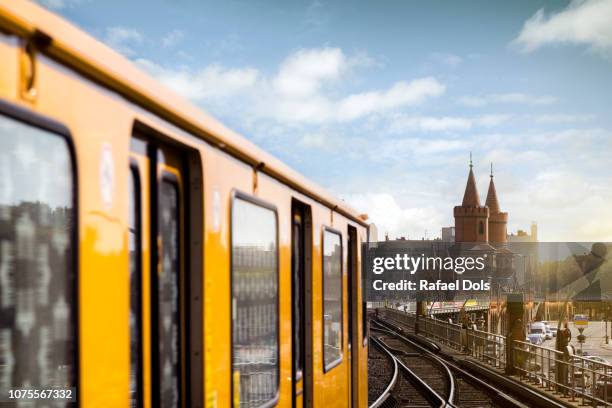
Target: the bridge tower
pixel 471 218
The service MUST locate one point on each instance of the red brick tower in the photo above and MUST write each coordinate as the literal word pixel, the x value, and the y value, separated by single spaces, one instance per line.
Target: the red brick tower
pixel 471 219
pixel 498 220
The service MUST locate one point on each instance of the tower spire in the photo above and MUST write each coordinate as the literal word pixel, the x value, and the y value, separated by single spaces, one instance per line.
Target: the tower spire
pixel 470 197
pixel 492 202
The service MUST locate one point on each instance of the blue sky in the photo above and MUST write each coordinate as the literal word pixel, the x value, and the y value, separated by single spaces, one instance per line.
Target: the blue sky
pixel 381 102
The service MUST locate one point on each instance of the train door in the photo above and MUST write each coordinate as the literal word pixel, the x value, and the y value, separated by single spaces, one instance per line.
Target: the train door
pixel 161 348
pixel 353 336
pixel 301 236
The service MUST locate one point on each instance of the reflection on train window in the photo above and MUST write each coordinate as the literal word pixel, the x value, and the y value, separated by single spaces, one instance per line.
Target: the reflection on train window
pixel 135 290
pixel 332 299
pixel 168 295
pixel 37 269
pixel 298 282
pixel 255 347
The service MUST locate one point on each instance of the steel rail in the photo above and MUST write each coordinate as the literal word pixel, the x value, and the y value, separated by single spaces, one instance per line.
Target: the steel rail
pixel 449 400
pixel 423 388
pixel 387 392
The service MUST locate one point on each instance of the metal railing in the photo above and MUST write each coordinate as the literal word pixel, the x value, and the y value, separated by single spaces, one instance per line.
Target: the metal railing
pixel 573 376
pixel 445 332
pixel 489 348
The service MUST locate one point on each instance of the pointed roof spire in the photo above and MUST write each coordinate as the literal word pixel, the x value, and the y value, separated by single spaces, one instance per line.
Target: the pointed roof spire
pixel 492 202
pixel 470 197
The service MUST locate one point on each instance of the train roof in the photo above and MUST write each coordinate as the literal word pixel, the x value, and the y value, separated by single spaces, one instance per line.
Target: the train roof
pixel 64 42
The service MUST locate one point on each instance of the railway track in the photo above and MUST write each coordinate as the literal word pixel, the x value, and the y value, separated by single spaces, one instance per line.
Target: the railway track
pixel 382 369
pixel 431 380
pixel 402 389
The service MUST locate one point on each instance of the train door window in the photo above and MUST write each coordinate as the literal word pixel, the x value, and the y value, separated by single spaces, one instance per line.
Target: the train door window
pixel 255 320
pixel 364 309
pixel 297 258
pixel 135 246
pixel 167 251
pixel 38 315
pixel 168 293
pixel 301 248
pixel 332 299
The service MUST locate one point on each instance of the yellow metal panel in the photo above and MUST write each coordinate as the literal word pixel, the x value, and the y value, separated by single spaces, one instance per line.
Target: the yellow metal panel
pixel 271 191
pixel 222 174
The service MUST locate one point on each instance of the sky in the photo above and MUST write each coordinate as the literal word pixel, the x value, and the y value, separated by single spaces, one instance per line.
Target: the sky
pixel 382 102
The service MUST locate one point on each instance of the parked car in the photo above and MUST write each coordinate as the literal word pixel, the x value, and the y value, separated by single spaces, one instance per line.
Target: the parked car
pixel 537 333
pixel 599 364
pixel 548 330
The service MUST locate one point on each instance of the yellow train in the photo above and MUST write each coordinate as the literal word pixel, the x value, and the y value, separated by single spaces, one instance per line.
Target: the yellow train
pixel 151 257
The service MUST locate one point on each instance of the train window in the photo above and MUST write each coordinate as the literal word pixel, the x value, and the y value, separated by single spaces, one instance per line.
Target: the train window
pixel 255 331
pixel 135 290
pixel 38 345
pixel 168 291
pixel 298 301
pixel 364 309
pixel 332 299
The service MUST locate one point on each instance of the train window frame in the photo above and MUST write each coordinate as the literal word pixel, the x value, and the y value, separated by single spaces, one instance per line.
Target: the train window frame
pixel 147 141
pixel 137 197
pixel 328 367
pixel 183 375
pixel 239 195
pixel 364 293
pixel 33 119
pixel 297 371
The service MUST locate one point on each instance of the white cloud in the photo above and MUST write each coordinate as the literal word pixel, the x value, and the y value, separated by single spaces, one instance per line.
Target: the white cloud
pixel 212 82
pixel 429 124
pixel 400 94
pixel 506 98
pixel 390 217
pixel 585 22
pixel 451 60
pixel 406 123
pixel 322 141
pixel 303 72
pixel 563 118
pixel 493 119
pixel 304 90
pixel 428 151
pixel 123 39
pixel 314 140
pixel 172 38
pixel 569 205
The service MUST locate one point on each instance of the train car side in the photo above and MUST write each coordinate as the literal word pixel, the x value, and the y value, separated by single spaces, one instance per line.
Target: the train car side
pixel 123 151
